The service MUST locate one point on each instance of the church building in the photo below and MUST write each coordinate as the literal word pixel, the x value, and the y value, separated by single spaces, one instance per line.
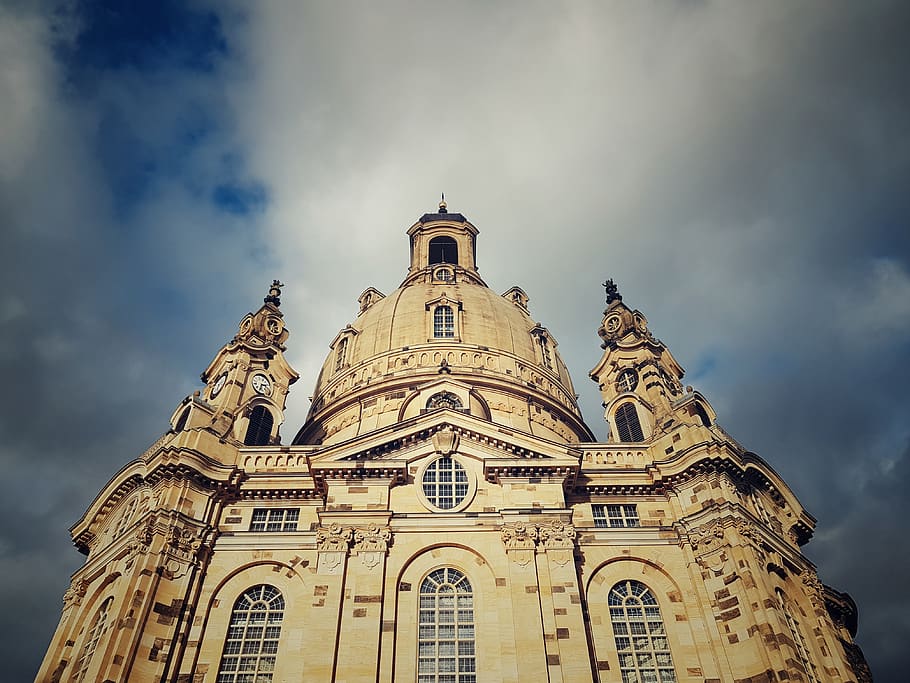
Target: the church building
pixel 445 514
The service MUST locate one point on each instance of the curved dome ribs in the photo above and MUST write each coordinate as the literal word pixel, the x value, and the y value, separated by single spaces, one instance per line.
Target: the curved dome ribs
pixel 443 324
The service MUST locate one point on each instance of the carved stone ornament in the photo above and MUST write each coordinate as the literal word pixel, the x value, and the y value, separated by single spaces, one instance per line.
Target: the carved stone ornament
pixel 557 535
pixel 183 550
pixel 706 538
pixel 372 539
pixel 519 536
pixel 814 588
pixel 74 594
pixel 445 441
pixel 747 530
pixel 334 538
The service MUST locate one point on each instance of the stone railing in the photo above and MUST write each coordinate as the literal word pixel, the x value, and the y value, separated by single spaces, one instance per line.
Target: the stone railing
pixel 619 455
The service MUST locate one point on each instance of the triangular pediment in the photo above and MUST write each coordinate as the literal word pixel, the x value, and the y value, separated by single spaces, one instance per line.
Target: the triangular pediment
pixel 432 433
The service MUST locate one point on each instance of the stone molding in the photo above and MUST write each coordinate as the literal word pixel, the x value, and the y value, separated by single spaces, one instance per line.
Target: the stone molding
pixel 522 539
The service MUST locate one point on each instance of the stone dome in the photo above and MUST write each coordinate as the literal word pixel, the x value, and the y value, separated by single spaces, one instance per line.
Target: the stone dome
pixel 443 339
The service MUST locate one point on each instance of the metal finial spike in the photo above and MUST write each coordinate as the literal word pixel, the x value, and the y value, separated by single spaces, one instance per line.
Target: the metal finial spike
pixel 442 204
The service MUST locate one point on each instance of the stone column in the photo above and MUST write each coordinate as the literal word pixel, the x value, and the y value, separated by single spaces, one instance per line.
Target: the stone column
pixel 361 612
pixel 523 622
pixel 565 637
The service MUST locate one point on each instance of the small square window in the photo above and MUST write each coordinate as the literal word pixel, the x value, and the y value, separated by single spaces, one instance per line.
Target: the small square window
pixel 275 519
pixel 615 516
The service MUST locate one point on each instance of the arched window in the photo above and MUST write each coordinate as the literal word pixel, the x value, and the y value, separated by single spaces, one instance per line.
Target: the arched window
pixel 545 352
pixel 641 639
pixel 799 643
pixel 341 353
pixel 259 431
pixel 181 421
pixel 126 517
pixel 94 634
pixel 443 322
pixel 702 415
pixel 252 637
pixel 628 428
pixel 443 250
pixel 444 399
pixel 445 646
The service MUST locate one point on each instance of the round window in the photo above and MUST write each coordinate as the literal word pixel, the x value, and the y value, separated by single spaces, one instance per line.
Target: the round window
pixel 445 484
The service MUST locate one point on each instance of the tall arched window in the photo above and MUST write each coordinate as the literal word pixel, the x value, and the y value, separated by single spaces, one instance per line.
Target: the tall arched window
pixel 545 352
pixel 341 353
pixel 443 322
pixel 443 250
pixel 94 634
pixel 641 639
pixel 799 643
pixel 628 428
pixel 252 637
pixel 445 646
pixel 259 431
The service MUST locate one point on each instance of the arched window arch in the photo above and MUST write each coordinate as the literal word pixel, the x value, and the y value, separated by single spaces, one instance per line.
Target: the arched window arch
pixel 702 414
pixel 259 430
pixel 126 517
pixel 444 399
pixel 445 646
pixel 799 643
pixel 443 250
pixel 443 322
pixel 341 353
pixel 95 631
pixel 252 639
pixel 545 352
pixel 181 421
pixel 640 635
pixel 628 427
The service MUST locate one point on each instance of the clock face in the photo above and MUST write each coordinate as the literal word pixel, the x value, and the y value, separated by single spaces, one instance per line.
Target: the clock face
pixel 273 325
pixel 613 323
pixel 261 384
pixel 219 384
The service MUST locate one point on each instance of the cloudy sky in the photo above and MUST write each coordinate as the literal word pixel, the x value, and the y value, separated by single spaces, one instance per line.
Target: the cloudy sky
pixel 739 168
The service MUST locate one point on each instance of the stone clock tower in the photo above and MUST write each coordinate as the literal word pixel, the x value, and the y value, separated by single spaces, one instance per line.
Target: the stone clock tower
pixel 445 515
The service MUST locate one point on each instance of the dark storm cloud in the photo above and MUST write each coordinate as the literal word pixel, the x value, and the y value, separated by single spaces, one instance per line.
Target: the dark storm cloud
pixel 739 169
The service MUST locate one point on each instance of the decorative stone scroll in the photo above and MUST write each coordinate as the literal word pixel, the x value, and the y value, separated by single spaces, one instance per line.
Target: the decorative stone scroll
pixel 707 543
pixel 445 441
pixel 371 544
pixel 332 544
pixel 814 588
pixel 521 540
pixel 185 548
pixel 141 541
pixel 74 594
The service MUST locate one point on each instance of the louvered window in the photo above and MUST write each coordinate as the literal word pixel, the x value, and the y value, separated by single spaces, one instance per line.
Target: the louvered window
pixel 628 428
pixel 259 431
pixel 251 645
pixel 641 639
pixel 443 322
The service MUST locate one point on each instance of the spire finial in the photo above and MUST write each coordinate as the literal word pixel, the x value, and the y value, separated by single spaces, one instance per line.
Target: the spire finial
pixel 274 296
pixel 442 204
pixel 612 292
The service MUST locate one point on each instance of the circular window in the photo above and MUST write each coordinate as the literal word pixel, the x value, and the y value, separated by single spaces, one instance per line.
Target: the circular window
pixel 445 484
pixel 444 274
pixel 627 380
